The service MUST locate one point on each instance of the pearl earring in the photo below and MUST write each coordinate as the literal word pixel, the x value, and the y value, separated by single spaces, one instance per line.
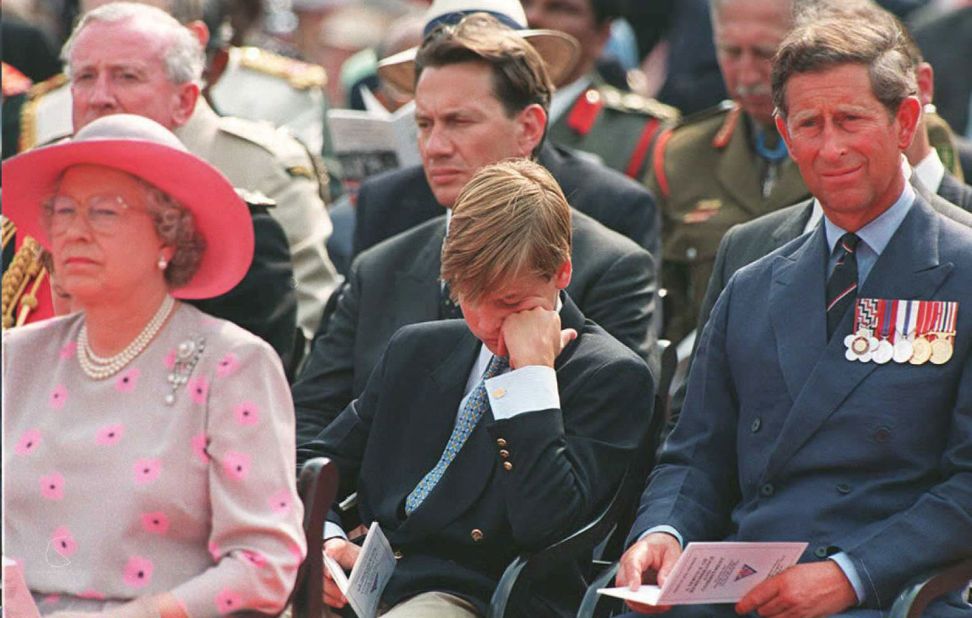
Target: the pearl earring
pixel 163 263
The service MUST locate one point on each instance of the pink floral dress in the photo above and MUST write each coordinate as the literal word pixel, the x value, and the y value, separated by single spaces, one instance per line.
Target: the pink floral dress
pixel 175 474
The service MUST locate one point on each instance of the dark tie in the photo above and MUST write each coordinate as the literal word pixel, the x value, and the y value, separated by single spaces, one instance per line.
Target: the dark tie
pixel 448 310
pixel 842 284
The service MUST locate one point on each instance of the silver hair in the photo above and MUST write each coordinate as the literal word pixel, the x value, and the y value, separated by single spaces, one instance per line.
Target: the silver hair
pixel 184 58
pixel 176 226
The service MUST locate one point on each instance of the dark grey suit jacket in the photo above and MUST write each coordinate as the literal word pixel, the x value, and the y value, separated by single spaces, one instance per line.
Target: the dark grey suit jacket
pixel 397 283
pixel 397 201
pixel 745 243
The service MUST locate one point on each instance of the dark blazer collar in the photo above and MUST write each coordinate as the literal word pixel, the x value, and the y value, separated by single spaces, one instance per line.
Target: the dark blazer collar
pixel 816 373
pixel 793 225
pixel 428 260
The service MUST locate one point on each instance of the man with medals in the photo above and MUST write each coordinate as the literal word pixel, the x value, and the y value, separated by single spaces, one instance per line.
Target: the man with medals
pixel 830 400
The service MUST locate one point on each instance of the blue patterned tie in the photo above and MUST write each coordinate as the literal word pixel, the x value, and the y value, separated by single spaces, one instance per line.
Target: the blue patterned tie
pixel 476 406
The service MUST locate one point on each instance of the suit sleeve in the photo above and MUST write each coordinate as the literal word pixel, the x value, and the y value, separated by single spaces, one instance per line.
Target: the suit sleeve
pixel 932 528
pixel 695 486
pixel 646 221
pixel 326 383
pixel 564 463
pixel 344 439
pixel 624 301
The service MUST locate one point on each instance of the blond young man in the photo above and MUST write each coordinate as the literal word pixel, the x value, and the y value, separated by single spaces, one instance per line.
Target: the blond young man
pixel 480 438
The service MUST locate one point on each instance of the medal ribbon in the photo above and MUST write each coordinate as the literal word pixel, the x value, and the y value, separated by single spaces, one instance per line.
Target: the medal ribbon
pixel 887 319
pixel 946 324
pixel 905 323
pixel 866 315
pixel 936 316
pixel 923 310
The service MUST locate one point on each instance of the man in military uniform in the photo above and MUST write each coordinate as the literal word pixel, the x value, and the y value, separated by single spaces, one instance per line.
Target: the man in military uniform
pixel 726 165
pixel 259 84
pixel 267 162
pixel 586 113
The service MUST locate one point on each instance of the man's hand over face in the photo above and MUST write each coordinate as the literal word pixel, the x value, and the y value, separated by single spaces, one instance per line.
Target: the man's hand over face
pixel 344 553
pixel 649 561
pixel 804 590
pixel 534 337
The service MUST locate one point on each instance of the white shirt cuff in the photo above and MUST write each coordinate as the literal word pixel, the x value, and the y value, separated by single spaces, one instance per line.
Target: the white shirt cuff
pixel 332 530
pixel 666 530
pixel 523 390
pixel 850 572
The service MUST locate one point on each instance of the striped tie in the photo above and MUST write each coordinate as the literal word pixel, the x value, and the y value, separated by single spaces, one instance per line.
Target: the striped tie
pixel 842 284
pixel 466 421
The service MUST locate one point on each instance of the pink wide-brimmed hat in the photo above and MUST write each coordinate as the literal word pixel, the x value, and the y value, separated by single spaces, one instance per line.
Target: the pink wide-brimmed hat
pixel 145 149
pixel 560 51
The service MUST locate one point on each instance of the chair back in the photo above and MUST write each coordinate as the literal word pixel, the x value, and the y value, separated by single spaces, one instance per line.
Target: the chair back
pixel 317 486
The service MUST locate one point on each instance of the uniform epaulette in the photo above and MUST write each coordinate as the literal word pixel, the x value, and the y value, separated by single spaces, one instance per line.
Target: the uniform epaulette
pixel 256 198
pixel 632 102
pixel 300 75
pixel 14 82
pixel 38 129
pixel 288 150
pixel 727 115
pixel 706 114
pixel 22 279
pixel 42 88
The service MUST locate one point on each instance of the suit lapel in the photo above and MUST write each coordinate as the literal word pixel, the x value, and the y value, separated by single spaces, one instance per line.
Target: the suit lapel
pixel 793 226
pixel 796 301
pixel 901 272
pixel 469 473
pixel 415 292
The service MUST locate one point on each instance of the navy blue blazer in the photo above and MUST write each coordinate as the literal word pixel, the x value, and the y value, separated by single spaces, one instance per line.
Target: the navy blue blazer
pixel 783 439
pixel 517 484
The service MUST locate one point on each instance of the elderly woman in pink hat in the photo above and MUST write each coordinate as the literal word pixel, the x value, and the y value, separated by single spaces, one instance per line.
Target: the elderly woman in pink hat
pixel 148 449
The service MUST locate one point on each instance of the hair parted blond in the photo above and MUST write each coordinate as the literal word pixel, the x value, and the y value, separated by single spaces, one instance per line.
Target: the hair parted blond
pixel 511 219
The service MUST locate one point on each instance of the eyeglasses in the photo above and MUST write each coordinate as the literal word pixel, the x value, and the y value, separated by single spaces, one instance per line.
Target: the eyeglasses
pixel 103 212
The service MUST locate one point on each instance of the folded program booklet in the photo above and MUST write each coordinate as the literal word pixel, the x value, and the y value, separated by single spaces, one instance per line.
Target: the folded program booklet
pixel 370 574
pixel 715 573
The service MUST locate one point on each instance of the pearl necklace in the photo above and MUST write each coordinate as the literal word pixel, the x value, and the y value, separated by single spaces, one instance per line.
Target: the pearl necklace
pixel 98 368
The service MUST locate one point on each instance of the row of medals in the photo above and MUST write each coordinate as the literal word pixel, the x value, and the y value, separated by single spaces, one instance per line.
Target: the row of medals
pixel 865 347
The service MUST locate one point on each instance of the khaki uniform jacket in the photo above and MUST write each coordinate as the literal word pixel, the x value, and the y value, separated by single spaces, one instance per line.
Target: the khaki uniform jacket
pixel 706 178
pixel 259 158
pixel 618 127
